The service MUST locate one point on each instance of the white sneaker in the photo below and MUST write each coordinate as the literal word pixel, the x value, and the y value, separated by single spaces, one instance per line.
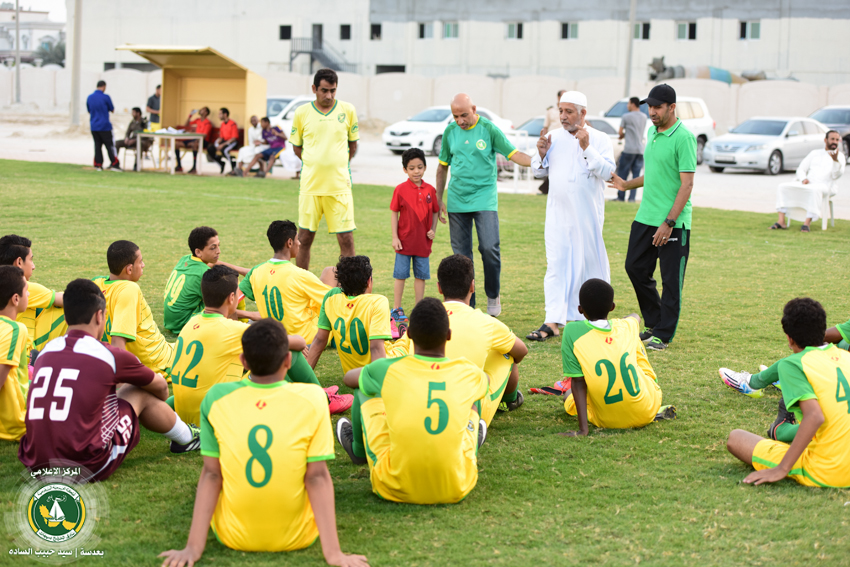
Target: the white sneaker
pixel 494 306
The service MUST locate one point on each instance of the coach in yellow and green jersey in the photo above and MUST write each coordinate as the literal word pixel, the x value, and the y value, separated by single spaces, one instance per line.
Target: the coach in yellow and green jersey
pixel 469 147
pixel 324 135
pixel 14 374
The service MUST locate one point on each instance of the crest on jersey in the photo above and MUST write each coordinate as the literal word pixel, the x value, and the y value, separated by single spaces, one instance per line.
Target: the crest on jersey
pixel 481 145
pixel 428 198
pixel 341 117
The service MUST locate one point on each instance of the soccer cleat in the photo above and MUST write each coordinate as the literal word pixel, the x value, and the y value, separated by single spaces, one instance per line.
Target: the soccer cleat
pixel 645 335
pixel 656 344
pixel 564 385
pixel 345 436
pixel 397 315
pixel 339 403
pixel 665 412
pixel 740 382
pixel 394 331
pixel 782 416
pixel 505 406
pixel 192 445
pixel 494 306
pixel 482 432
pixel 331 390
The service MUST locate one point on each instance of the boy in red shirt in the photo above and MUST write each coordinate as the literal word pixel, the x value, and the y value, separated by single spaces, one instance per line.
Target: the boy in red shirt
pixel 414 223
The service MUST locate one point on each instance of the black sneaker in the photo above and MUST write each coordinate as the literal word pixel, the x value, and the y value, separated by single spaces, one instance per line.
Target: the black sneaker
pixel 665 412
pixel 656 344
pixel 505 406
pixel 345 436
pixel 192 445
pixel 482 432
pixel 645 335
pixel 222 169
pixel 782 416
pixel 178 169
pixel 114 167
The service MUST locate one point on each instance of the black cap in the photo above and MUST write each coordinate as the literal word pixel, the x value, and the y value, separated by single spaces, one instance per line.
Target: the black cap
pixel 659 95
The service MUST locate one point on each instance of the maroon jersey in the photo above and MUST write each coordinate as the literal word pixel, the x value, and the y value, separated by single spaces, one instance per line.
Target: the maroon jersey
pixel 73 412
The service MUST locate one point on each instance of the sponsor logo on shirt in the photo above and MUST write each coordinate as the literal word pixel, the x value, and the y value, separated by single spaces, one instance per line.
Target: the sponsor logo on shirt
pixel 481 145
pixel 350 305
pixel 261 404
pixel 435 366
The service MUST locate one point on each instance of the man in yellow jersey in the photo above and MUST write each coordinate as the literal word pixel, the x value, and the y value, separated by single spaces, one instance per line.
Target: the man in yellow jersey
pixel 613 384
pixel 265 485
pixel 129 321
pixel 483 340
pixel 420 417
pixel 14 374
pixel 208 348
pixel 282 290
pixel 44 317
pixel 815 383
pixel 358 320
pixel 324 136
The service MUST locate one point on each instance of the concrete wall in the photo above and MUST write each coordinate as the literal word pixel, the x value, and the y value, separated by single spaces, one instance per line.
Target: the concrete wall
pixel 777 98
pixel 397 96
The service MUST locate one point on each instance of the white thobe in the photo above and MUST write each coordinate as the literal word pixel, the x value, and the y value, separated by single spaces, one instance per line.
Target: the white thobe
pixel 821 171
pixel 247 153
pixel 575 212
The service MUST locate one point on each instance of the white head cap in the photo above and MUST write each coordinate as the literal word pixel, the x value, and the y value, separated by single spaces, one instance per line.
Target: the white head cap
pixel 574 97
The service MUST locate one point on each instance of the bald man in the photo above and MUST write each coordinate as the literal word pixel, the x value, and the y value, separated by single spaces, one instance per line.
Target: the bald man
pixel 470 144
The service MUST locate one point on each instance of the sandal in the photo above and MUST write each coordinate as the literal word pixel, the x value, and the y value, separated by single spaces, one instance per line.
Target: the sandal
pixel 777 226
pixel 804 228
pixel 538 334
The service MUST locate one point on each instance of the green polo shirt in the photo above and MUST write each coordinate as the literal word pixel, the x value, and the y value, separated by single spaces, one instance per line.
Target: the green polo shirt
pixel 667 154
pixel 471 154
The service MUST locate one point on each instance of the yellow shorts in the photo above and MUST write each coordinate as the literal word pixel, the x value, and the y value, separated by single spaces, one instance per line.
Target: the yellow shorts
pixel 498 368
pixel 625 417
pixel 338 211
pixel 768 454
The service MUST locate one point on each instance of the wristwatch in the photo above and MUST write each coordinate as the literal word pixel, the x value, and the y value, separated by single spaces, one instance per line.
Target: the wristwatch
pixel 670 222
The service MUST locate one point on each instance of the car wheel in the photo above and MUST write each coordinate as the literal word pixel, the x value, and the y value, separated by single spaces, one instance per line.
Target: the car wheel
pixel 700 148
pixel 774 163
pixel 397 152
pixel 716 169
pixel 437 145
pixel 845 147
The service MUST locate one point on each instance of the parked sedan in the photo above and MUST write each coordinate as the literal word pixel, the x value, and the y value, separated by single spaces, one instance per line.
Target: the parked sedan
pixel 836 118
pixel 425 130
pixel 766 143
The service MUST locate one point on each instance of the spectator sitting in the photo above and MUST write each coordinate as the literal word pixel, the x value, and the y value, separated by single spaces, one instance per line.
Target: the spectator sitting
pixel 138 124
pixel 200 125
pixel 228 139
pixel 276 140
pixel 255 145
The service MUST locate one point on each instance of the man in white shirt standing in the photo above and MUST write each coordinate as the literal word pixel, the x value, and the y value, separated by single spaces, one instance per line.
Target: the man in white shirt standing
pixel 579 160
pixel 816 177
pixel 255 145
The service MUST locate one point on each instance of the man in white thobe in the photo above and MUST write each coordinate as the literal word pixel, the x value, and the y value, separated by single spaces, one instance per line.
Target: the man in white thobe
pixel 578 160
pixel 816 178
pixel 255 144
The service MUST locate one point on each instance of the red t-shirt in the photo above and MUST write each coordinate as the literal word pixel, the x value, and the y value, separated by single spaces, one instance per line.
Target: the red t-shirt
pixel 226 131
pixel 415 207
pixel 202 126
pixel 72 408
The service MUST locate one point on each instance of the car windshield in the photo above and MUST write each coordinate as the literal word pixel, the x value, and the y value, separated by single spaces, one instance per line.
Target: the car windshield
pixel 431 115
pixel 275 105
pixel 622 107
pixel 832 115
pixel 760 127
pixel 602 126
pixel 533 126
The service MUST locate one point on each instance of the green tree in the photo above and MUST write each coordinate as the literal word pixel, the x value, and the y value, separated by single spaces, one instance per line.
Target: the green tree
pixel 52 54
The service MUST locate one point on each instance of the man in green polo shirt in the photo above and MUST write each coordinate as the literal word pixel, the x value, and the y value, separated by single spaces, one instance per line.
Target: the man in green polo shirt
pixel 661 231
pixel 470 144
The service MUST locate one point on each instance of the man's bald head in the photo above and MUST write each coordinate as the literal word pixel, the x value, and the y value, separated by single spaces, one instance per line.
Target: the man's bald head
pixel 254 120
pixel 463 111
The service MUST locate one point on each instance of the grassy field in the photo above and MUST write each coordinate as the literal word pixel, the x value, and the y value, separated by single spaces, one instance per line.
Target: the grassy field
pixel 668 494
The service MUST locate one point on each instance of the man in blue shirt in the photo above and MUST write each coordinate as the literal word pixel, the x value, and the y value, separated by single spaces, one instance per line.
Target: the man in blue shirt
pixel 99 106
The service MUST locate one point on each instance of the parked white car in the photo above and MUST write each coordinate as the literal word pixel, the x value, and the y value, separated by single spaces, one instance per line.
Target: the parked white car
pixel 425 129
pixel 691 110
pixel 534 126
pixel 284 117
pixel 276 103
pixel 771 144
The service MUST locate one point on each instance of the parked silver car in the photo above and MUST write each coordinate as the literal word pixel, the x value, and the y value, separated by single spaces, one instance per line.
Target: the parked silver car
pixel 771 144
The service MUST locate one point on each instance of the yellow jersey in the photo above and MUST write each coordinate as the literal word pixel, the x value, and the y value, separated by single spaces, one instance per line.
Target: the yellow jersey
pixel 287 293
pixel 128 315
pixel 421 431
pixel 323 138
pixel 263 436
pixel 43 321
pixel 206 353
pixel 622 391
pixel 353 322
pixel 822 374
pixel 13 393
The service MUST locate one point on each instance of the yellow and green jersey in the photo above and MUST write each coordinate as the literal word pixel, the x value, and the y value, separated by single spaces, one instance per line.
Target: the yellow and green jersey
pixel 44 322
pixel 822 374
pixel 323 138
pixel 622 391
pixel 182 295
pixel 421 431
pixel 263 436
pixel 353 322
pixel 287 293
pixel 206 353
pixel 128 315
pixel 13 392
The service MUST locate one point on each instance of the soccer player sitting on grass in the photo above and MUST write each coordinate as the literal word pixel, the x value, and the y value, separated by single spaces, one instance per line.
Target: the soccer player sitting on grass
pixel 75 414
pixel 613 384
pixel 265 485
pixel 208 348
pixel 14 374
pixel 420 416
pixel 183 297
pixel 480 338
pixel 816 389
pixel 44 318
pixel 358 320
pixel 129 321
pixel 282 290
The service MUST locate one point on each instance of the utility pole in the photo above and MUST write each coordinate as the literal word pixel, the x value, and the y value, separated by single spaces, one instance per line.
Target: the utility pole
pixel 18 51
pixel 75 63
pixel 631 36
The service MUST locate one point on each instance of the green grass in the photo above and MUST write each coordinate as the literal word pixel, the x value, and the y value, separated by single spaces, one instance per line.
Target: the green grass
pixel 664 495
